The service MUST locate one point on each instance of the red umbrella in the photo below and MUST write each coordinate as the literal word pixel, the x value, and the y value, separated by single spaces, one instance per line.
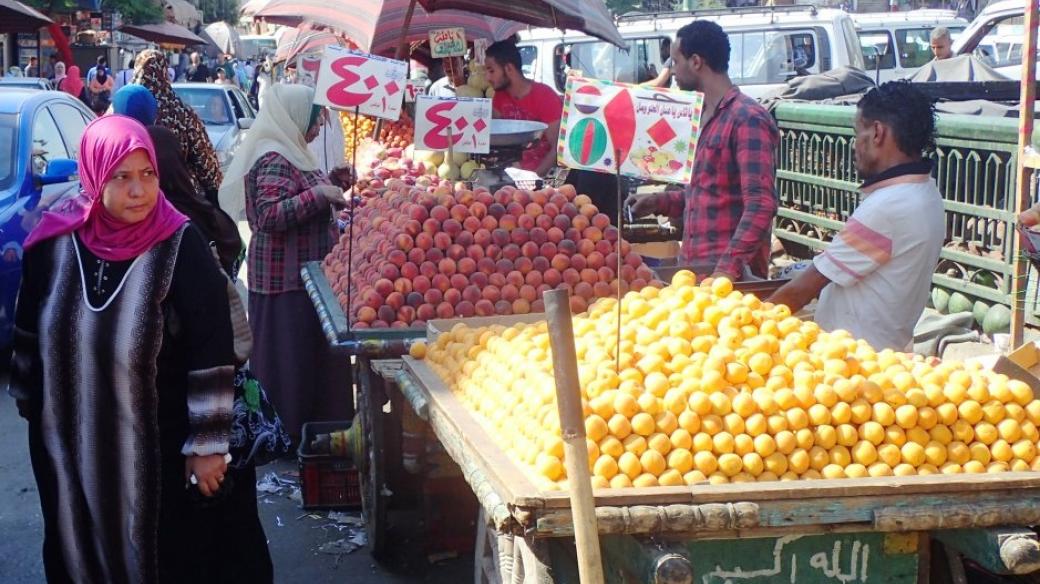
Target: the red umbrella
pixel 589 16
pixel 381 27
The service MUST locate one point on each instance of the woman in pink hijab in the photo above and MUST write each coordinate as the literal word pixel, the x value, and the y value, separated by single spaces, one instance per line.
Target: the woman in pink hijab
pixel 123 366
pixel 72 83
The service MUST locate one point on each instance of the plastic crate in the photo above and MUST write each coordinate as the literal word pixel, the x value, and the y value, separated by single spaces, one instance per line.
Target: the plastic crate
pixel 326 481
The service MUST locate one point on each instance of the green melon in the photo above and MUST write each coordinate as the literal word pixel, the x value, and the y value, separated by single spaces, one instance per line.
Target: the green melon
pixel 959 303
pixel 998 320
pixel 979 311
pixel 940 299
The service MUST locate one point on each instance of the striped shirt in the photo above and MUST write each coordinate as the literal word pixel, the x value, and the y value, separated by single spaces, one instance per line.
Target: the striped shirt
pixel 880 265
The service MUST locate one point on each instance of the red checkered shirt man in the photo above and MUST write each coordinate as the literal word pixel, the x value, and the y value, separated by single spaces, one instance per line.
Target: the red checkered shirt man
pixel 729 207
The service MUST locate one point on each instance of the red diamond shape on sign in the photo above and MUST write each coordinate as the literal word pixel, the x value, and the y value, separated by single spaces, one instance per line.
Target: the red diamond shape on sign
pixel 371 82
pixel 661 132
pixel 480 125
pixel 391 88
pixel 461 123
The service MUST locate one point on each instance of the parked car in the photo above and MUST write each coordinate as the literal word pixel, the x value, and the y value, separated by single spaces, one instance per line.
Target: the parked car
pixel 39 146
pixel 27 83
pixel 900 42
pixel 769 46
pixel 225 111
pixel 995 36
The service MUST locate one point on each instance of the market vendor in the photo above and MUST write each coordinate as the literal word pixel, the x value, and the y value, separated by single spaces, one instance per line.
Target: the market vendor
pixel 875 276
pixel 729 207
pixel 519 98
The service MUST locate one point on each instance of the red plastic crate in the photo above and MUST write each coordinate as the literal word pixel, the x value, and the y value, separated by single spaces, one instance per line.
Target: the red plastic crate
pixel 326 481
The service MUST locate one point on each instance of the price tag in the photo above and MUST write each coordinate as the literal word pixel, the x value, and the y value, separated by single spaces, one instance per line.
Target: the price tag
pixel 412 90
pixel 654 129
pixel 349 79
pixel 448 42
pixel 480 49
pixel 469 120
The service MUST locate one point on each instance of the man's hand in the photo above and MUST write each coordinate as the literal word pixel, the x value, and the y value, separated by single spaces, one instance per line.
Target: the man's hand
pixel 805 287
pixel 646 205
pixel 342 177
pixel 1030 217
pixel 208 470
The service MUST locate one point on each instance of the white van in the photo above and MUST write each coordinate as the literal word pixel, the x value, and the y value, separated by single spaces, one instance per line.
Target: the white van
pixel 995 36
pixel 769 46
pixel 900 42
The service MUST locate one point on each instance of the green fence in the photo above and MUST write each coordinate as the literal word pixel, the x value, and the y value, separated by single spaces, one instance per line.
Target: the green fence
pixel 817 181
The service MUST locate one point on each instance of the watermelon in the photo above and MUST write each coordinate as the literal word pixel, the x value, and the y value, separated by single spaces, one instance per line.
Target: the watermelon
pixel 979 311
pixel 940 299
pixel 959 303
pixel 998 320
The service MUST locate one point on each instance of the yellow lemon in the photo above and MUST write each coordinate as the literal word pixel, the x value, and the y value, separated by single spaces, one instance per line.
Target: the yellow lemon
pixel 619 426
pixel 865 453
pixel 798 461
pixel 879 469
pixel 643 424
pixel 889 454
pixel 753 464
pixel 629 464
pixel 705 462
pixel 605 466
pixel 635 444
pixel 906 416
pixel 785 442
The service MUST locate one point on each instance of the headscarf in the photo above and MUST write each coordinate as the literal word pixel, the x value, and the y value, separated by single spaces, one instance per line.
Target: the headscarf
pixel 175 182
pixel 101 75
pixel 196 149
pixel 106 142
pixel 280 127
pixel 138 103
pixel 73 82
pixel 59 72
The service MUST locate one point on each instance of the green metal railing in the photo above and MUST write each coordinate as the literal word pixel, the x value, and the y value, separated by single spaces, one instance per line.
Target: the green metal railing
pixel 975 157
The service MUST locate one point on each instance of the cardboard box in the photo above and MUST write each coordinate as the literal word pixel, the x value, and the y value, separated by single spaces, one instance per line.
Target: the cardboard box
pixel 1022 364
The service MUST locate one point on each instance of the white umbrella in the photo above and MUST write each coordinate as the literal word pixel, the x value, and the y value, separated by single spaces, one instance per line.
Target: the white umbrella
pixel 222 36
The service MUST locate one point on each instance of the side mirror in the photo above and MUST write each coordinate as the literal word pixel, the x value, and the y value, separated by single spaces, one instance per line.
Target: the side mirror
pixel 59 170
pixel 245 123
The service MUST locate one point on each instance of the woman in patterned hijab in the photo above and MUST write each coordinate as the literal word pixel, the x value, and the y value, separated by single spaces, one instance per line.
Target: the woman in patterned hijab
pixel 150 70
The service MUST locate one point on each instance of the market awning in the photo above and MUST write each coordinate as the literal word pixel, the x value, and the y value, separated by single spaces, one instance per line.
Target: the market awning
pixel 379 26
pixel 182 12
pixel 165 33
pixel 589 16
pixel 16 17
pixel 294 42
pixel 222 36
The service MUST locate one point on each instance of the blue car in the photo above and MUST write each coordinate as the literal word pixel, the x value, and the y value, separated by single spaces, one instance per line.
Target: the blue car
pixel 39 147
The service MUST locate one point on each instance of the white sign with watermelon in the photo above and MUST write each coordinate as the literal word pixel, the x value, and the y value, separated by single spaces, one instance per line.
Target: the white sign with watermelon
pixel 652 131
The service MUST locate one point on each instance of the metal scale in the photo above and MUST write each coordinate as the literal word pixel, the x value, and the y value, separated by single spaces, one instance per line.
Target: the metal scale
pixel 509 139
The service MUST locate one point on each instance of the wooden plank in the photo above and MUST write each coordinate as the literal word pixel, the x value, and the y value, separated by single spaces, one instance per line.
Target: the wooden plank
pixel 1002 550
pixel 510 481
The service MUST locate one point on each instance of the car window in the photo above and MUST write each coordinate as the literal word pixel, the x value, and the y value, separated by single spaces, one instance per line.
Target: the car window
pixel 8 132
pixel 760 57
pixel 1002 45
pixel 528 58
pixel 208 102
pixel 71 122
pixel 236 107
pixel 241 104
pixel 640 61
pixel 877 46
pixel 914 46
pixel 47 143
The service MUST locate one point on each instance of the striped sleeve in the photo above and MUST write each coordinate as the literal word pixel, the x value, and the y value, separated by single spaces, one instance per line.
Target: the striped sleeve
pixel 859 249
pixel 210 402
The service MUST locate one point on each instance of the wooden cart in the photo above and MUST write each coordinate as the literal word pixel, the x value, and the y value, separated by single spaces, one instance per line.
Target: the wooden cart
pixel 849 530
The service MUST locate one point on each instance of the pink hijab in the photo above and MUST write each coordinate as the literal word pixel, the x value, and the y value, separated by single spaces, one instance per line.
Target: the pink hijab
pixel 72 83
pixel 106 142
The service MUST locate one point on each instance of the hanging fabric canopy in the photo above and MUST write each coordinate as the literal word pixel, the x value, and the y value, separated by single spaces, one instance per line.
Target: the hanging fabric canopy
pixel 588 16
pixel 16 17
pixel 165 33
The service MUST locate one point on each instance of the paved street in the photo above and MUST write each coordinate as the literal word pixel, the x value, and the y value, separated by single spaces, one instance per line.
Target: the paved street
pixel 302 543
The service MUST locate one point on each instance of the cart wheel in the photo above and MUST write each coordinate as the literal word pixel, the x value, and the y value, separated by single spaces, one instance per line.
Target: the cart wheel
pixel 373 502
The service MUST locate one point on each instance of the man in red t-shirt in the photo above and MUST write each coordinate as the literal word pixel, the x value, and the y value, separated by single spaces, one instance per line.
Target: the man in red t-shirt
pixel 519 98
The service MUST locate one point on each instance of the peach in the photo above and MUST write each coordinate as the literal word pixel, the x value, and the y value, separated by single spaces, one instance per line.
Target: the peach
pixel 428 269
pixel 578 305
pixel 541 263
pixel 500 237
pixel 626 247
pixel 538 235
pixel 478 210
pixel 589 276
pixel 578 262
pixel 486 265
pixel 511 251
pixel 441 282
pixel 569 210
pixel 571 276
pixel 471 224
pixel 406 314
pixel 510 292
pixel 519 236
pixel 548 250
pixel 482 237
pixel 416 256
pixel 515 209
pixel 529 249
pixel 424 240
pixel 464 196
pixel 387 313
pixel 543 222
pixel 455 252
pixel 538 306
pixel 568 191
pixel 584 289
pixel 442 241
pixel 560 262
pixel 446 200
pixel 585 247
pixel 638 284
pixel 440 213
pixel 555 235
pixel 451 227
pixel 409 271
pixel 497 279
pixel 484 308
pixel 552 277
pixel 611 260
pixel 475 252
pixel 412 227
pixel 633 259
pixel 526 222
pixel 572 234
pixel 445 310
pixel 503 307
pixel 559 200
pixel 377 324
pixel 397 257
pixel 459 282
pixel 568 247
pixel 390 272
pixel 471 293
pixel 491 293
pixel 515 278
pixel 417 213
pixel 528 293
pixel 465 309
pixel 644 273
pixel 383 287
pixel 496 210
pixel 507 222
pixel 459 212
pixel 503 266
pixel 628 273
pixel 425 312
pixel 421 284
pixel 435 255
pixel 561 222
pixel 533 278
pixel 523 265
pixel 366 314
pixel 610 234
pixel 580 200
pixel 493 251
pixel 604 247
pixel 601 220
pixel 580 222
pixel 452 296
pixel 489 223
pixel 447 267
pixel 592 233
pixel 550 209
pixel 467 266
pixel 464 238
pixel 433 296
pixel 596 260
pixel 521 306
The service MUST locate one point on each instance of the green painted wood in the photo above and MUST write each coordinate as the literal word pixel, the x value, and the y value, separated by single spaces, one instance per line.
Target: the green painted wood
pixel 1021 552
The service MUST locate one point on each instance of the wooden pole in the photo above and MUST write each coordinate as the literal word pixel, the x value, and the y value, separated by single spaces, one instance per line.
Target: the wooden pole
pixel 572 425
pixel 1020 277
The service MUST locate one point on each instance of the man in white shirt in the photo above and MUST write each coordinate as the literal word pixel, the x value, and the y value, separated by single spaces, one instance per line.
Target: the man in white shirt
pixel 875 276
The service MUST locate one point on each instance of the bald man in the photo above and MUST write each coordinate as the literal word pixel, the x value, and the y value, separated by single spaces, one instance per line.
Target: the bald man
pixel 941 41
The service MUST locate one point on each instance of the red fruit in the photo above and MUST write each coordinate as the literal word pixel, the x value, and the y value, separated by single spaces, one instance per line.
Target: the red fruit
pixel 394 300
pixel 478 210
pixel 433 296
pixel 633 259
pixel 585 247
pixel 571 277
pixel 596 260
pixel 428 269
pixel 406 314
pixel 500 237
pixel 611 260
pixel 496 210
pixel 522 197
pixel 483 197
pixel 533 278
pixel 560 262
pixel 550 209
pixel 638 284
pixel 503 307
pixel 592 233
pixel 589 276
pixel 412 227
pixel 467 266
pixel 471 293
pixel 555 235
pixel 538 306
pixel 504 195
pixel 604 247
pixel 442 241
pixel 515 278
pixel 452 296
pixel 552 277
pixel 548 250
pixel 459 282
pixel 440 282
pixel 510 292
pixel 366 314
pixel 569 209
pixel 515 209
pixel 409 271
pixel 491 293
pixel 446 267
pixel 610 234
pixel 464 238
pixel 523 265
pixel 424 240
pixel 628 273
pixel 425 312
pixel 465 309
pixel 418 213
pixel 584 289
pixel 497 279
pixel 507 222
pixel 503 266
pixel 541 263
pixel 572 234
pixel 529 250
pixel 464 197
pixel 511 252
pixel 378 324
pixel 416 256
pixel 493 251
pixel 383 287
pixel 543 221
pixel 459 213
pixel 451 227
pixel 478 279
pixel 568 247
pixel 644 273
pixel 471 225
pixel 390 272
pixel 538 236
pixel 455 252
pixel 489 223
pixel 601 220
pixel 445 310
pixel 528 293
pixel 421 284
pixel 542 289
pixel 521 306
pixel 486 265
pixel 397 257
pixel 561 222
pixel 578 262
pixel 578 305
pixel 484 308
pixel 519 236
pixel 482 237
pixel 440 213
pixel 588 211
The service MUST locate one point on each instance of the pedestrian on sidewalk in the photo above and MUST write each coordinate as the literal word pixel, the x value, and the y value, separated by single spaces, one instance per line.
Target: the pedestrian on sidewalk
pixel 288 201
pixel 72 83
pixel 100 91
pixel 150 71
pixel 123 365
